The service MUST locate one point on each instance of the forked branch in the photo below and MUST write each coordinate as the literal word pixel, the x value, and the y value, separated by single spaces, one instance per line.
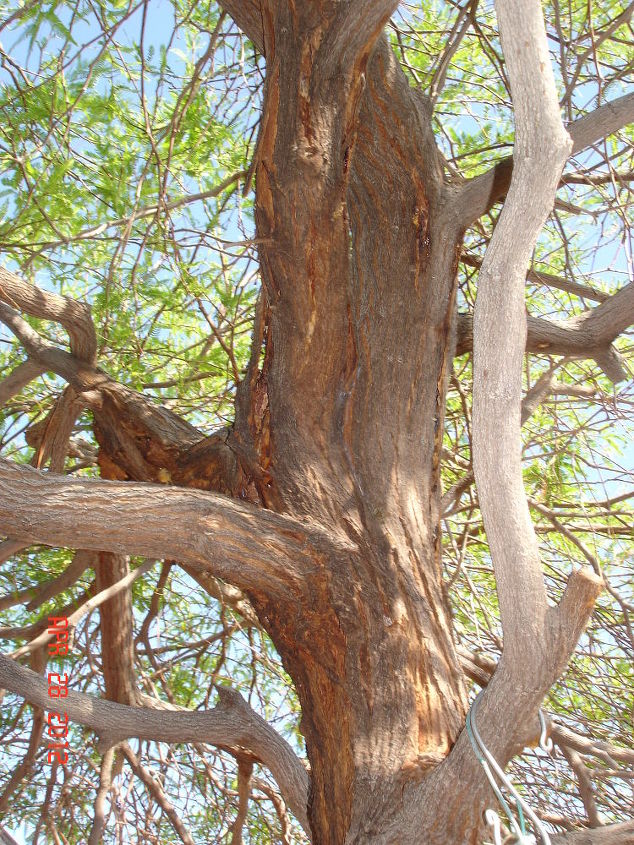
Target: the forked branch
pixel 232 725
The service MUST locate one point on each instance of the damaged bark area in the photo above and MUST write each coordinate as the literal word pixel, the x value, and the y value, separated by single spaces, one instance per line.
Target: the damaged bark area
pixel 369 644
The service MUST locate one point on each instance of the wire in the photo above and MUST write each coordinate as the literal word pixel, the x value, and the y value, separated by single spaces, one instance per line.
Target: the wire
pixel 490 765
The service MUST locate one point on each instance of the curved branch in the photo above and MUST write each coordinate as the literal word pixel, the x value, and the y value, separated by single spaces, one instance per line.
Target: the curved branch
pixel 499 333
pixel 42 354
pixel 605 322
pixel 538 640
pixel 246 546
pixel 232 724
pixel 74 316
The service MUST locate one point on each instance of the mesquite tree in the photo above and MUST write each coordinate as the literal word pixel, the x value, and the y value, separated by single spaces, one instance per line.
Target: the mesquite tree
pixel 314 514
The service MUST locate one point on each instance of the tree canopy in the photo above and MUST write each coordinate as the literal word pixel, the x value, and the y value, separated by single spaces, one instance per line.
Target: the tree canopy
pixel 137 332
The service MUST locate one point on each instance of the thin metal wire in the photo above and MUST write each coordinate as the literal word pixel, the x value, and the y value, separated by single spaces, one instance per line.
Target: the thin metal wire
pixel 490 765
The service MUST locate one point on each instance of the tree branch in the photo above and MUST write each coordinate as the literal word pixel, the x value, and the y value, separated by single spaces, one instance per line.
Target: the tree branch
pixel 245 778
pixel 158 795
pixel 18 378
pixel 38 724
pixel 37 595
pixel 479 195
pixel 584 781
pixel 47 357
pixel 232 724
pixel 588 336
pixel 105 782
pixel 248 16
pixel 538 277
pixel 499 343
pixel 92 603
pixel 74 316
pixel 251 548
pixel 538 639
pixel 613 834
pixel 603 121
pixel 354 30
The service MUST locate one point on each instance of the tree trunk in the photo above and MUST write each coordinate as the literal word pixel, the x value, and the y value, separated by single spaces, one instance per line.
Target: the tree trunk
pixel 369 645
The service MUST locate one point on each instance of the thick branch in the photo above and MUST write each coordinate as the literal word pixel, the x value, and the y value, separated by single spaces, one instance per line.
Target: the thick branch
pixel 253 549
pixel 105 782
pixel 245 778
pixel 56 430
pixel 587 336
pixel 44 355
pixel 73 315
pixel 231 725
pixel 601 122
pixel 500 330
pixel 605 322
pixel 482 192
pixel 537 639
pixel 248 16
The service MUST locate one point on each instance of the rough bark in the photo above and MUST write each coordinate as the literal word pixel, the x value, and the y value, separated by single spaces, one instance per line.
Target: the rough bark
pixel 384 697
pixel 231 724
